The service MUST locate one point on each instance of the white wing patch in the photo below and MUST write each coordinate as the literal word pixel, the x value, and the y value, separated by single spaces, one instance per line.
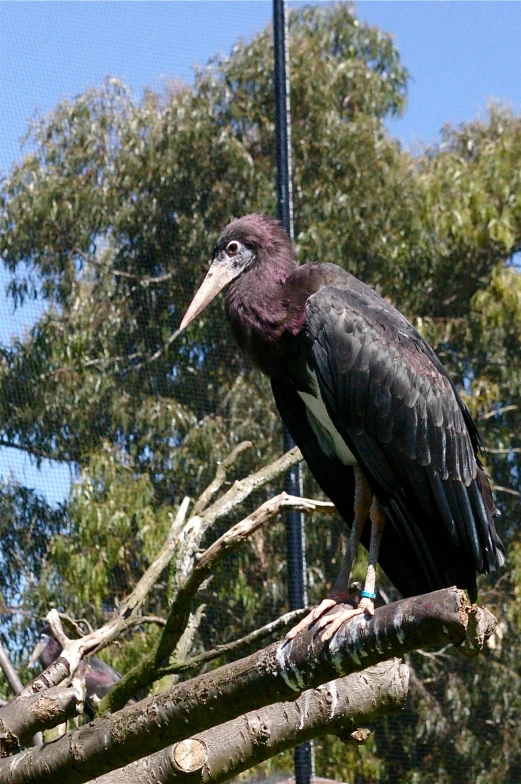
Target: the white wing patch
pixel 330 440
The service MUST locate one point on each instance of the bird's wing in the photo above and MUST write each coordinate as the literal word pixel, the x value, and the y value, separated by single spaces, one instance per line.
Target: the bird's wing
pixel 390 399
pixel 397 555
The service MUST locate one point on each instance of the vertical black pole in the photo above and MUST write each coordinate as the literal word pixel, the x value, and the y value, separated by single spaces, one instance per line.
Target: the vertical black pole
pixel 294 521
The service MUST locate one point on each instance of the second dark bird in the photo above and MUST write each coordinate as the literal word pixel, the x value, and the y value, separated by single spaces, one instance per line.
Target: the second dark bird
pixel 100 677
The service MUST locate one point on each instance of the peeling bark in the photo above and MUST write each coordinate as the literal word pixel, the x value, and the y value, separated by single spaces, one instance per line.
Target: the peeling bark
pixel 6 741
pixel 22 718
pixel 279 672
pixel 337 707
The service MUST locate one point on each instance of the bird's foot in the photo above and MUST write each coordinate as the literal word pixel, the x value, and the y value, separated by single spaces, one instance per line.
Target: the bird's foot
pixel 330 623
pixel 311 617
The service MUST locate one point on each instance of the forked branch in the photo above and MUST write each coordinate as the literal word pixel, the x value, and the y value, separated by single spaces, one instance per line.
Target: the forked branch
pixel 279 672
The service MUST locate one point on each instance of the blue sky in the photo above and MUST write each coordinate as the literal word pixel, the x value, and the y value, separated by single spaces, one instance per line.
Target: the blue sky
pixel 460 54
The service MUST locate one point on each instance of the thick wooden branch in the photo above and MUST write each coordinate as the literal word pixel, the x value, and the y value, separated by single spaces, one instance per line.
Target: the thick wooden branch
pixel 16 685
pixel 21 719
pixel 339 707
pixel 280 672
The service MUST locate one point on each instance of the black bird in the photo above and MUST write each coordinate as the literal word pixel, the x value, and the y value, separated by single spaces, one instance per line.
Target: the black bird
pixel 100 676
pixel 379 422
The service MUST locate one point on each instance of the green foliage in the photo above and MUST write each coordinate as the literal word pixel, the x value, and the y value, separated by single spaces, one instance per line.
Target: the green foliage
pixel 108 220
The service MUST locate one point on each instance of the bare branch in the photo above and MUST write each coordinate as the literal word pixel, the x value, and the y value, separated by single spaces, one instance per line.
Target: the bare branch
pixel 281 671
pixel 9 671
pixel 509 490
pixel 240 490
pixel 22 718
pixel 187 638
pixel 16 686
pixel 238 533
pixel 496 411
pixel 513 450
pixel 225 649
pixel 220 477
pixel 337 707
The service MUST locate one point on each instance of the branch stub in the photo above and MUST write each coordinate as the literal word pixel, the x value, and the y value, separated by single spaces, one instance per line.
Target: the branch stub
pixel 190 755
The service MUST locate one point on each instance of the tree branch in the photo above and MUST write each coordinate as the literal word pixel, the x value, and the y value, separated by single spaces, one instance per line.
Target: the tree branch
pixel 9 671
pixel 337 707
pixel 187 582
pixel 188 665
pixel 502 410
pixel 509 490
pixel 16 686
pixel 281 671
pixel 21 719
pixel 220 477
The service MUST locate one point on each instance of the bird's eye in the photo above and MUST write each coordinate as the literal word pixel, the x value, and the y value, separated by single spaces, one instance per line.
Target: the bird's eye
pixel 232 248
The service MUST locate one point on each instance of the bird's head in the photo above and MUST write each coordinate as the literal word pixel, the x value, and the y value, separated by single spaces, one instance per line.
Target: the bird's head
pixel 244 243
pixel 47 647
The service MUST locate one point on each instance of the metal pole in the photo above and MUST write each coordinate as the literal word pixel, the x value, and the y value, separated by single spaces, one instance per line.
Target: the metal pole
pixel 295 545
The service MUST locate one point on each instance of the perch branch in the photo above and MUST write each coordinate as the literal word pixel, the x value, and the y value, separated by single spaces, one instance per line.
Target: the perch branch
pixel 277 673
pixel 218 754
pixel 16 686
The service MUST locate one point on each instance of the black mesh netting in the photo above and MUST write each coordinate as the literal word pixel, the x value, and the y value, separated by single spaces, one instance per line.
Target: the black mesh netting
pixel 110 418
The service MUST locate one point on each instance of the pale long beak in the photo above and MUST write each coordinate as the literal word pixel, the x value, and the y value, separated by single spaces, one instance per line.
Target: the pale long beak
pixel 217 278
pixel 40 645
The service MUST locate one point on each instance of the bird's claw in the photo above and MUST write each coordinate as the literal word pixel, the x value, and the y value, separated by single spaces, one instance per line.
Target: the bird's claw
pixel 367 605
pixel 332 623
pixel 311 617
pixel 328 625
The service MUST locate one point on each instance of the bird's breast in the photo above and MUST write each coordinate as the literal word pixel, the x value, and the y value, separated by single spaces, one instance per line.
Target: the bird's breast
pixel 329 439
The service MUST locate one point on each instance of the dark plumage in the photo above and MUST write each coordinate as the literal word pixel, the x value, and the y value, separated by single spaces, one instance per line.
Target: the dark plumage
pixel 100 676
pixel 357 386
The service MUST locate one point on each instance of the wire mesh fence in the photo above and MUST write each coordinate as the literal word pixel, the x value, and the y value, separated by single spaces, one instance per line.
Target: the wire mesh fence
pixel 110 418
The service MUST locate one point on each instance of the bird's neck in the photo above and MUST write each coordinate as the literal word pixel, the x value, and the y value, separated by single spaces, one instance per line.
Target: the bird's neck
pixel 258 310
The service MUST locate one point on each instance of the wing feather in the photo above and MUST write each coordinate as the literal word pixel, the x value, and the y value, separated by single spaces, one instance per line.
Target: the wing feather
pixel 391 400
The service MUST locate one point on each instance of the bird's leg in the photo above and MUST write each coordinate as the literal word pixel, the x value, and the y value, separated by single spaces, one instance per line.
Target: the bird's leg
pixel 377 516
pixel 366 604
pixel 339 594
